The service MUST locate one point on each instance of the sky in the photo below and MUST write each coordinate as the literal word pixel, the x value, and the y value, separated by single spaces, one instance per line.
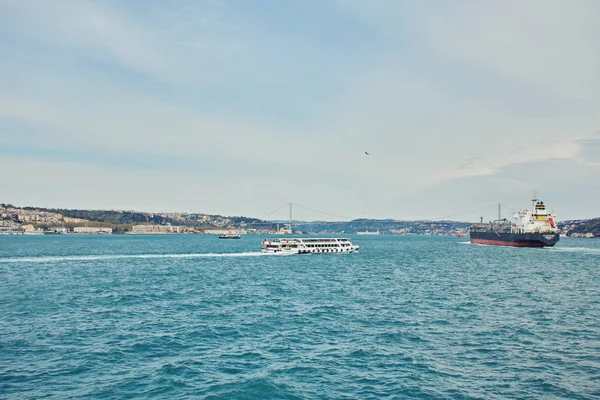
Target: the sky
pixel 239 107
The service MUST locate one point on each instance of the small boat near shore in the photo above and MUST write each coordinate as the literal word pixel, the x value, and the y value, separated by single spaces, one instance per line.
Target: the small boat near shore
pixel 308 246
pixel 230 236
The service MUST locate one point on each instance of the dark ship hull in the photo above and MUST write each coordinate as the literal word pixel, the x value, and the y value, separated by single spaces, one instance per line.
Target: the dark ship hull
pixel 514 239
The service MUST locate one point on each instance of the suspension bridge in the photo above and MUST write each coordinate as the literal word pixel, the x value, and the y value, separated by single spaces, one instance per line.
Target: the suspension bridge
pixel 344 218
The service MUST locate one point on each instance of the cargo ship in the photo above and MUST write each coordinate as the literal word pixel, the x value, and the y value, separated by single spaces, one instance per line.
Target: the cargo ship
pixel 530 228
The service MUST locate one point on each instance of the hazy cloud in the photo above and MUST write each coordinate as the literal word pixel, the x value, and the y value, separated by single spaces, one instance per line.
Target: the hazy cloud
pixel 238 109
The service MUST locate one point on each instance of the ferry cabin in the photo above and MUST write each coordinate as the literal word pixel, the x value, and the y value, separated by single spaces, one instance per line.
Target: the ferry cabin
pixel 306 246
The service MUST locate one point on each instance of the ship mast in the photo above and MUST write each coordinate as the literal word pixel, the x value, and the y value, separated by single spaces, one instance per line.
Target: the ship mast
pixel 534 201
pixel 499 212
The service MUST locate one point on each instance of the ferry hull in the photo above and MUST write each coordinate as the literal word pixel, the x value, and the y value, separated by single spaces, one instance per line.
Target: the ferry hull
pixel 230 237
pixel 514 239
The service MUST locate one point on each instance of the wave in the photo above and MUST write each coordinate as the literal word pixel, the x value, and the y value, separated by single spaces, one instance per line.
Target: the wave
pixel 586 250
pixel 589 250
pixel 44 259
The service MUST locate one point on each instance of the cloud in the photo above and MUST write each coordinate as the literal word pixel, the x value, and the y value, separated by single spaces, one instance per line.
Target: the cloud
pixel 590 151
pixel 189 44
pixel 544 45
pixel 565 185
pixel 487 78
pixel 470 162
pixel 86 26
pixel 262 108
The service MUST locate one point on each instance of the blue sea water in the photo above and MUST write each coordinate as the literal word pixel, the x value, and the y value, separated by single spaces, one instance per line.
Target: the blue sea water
pixel 193 316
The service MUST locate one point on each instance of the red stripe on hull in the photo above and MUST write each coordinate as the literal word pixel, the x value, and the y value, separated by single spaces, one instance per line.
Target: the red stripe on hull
pixel 513 244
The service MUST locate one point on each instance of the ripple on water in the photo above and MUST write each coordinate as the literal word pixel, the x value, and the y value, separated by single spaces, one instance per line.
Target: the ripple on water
pixel 191 316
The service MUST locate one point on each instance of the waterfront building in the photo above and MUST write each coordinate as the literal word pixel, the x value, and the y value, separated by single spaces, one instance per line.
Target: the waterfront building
pixel 92 230
pixel 157 229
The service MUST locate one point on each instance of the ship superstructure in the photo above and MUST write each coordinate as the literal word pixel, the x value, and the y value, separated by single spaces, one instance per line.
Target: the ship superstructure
pixel 530 228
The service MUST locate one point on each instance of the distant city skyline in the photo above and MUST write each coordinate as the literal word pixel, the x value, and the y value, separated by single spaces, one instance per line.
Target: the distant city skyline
pixel 380 109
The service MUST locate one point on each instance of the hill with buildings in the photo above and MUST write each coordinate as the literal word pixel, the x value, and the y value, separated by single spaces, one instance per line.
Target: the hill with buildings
pixel 581 227
pixel 28 218
pixel 386 226
pixel 14 218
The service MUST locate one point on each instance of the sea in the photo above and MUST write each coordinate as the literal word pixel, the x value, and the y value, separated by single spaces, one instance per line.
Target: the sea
pixel 192 316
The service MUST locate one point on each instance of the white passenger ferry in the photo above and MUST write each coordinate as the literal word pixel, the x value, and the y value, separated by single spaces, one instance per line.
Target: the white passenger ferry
pixel 308 245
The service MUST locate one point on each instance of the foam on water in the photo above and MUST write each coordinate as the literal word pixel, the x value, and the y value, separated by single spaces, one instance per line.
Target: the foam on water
pixel 558 249
pixel 51 259
pixel 588 250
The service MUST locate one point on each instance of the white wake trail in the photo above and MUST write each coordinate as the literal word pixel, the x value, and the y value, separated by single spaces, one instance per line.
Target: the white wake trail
pixel 44 259
pixel 587 250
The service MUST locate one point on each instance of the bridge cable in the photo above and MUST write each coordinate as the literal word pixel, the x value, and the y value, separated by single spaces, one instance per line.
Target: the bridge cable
pixel 323 212
pixel 273 212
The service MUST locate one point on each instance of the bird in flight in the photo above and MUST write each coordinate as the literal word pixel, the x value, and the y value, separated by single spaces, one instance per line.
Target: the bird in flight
pixel 366 152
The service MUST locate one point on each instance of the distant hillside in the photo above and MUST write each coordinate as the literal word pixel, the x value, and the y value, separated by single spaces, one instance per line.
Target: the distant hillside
pixel 385 226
